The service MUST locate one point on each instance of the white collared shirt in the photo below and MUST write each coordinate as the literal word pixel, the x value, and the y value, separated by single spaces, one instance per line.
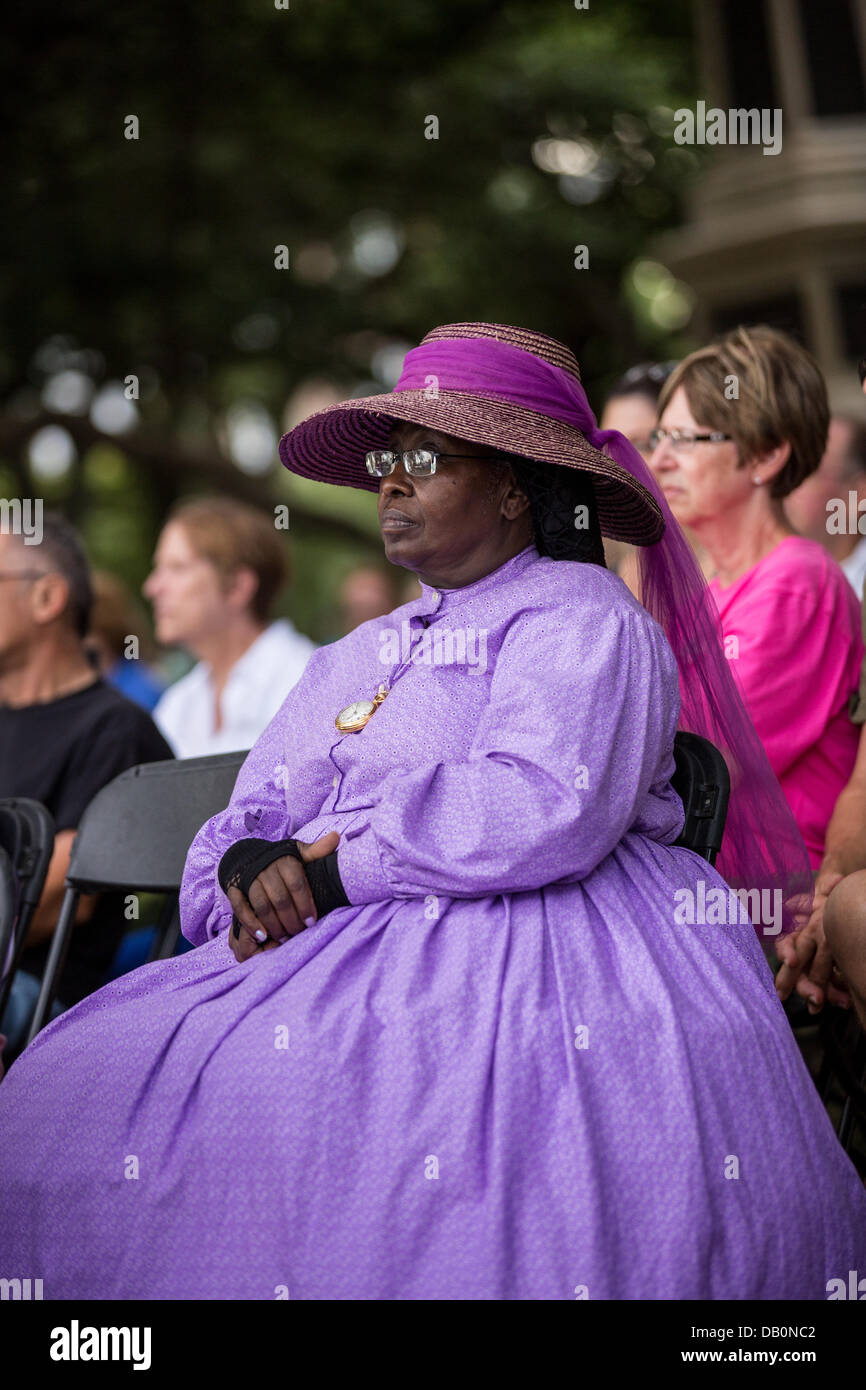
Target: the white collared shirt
pixel 257 685
pixel 854 567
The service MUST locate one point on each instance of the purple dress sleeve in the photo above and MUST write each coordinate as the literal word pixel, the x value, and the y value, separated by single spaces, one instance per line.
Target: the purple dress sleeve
pixel 281 785
pixel 573 751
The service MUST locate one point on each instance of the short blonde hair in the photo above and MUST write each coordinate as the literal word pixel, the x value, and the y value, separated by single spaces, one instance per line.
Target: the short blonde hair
pixel 781 398
pixel 232 535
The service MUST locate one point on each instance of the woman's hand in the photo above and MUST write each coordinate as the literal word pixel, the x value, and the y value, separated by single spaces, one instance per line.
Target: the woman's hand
pixel 280 903
pixel 806 963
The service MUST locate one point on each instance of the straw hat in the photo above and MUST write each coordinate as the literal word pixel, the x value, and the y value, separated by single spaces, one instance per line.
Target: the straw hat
pixel 331 445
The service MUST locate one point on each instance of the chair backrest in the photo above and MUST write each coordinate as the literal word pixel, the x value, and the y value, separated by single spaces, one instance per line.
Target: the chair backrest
pixel 27 842
pixel 136 831
pixel 27 835
pixel 135 835
pixel 703 784
pixel 8 898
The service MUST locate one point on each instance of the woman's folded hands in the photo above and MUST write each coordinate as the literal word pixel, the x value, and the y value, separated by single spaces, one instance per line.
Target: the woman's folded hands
pixel 276 889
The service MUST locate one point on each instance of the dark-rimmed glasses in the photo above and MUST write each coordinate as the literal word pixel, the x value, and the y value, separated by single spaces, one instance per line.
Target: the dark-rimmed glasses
pixel 684 439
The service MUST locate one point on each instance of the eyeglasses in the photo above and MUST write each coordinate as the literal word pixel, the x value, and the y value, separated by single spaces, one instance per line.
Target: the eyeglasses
pixel 684 439
pixel 419 463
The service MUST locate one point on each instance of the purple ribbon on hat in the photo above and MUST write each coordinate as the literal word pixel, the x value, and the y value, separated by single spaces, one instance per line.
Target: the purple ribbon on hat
pixel 487 367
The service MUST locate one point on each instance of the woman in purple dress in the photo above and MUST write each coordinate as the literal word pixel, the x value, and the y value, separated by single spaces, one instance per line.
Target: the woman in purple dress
pixel 448 1032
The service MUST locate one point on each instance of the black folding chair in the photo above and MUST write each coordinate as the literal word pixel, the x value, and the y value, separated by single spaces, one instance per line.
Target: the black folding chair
pixel 27 839
pixel 703 784
pixel 134 837
pixel 8 903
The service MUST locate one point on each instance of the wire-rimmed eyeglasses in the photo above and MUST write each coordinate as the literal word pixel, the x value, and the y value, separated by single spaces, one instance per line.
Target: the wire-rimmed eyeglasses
pixel 684 439
pixel 419 463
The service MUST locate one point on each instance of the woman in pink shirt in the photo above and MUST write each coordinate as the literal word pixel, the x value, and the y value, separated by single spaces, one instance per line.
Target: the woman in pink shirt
pixel 741 424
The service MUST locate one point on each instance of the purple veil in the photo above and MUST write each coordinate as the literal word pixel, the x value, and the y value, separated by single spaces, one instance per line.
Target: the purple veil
pixel 762 847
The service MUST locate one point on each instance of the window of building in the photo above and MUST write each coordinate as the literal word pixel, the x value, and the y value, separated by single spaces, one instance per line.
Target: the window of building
pixel 784 312
pixel 833 56
pixel 851 300
pixel 751 80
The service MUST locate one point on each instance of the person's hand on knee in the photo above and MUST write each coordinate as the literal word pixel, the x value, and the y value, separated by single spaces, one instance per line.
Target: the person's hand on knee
pixel 807 964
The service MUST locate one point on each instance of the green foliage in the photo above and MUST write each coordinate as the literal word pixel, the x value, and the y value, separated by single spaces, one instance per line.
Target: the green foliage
pixel 262 127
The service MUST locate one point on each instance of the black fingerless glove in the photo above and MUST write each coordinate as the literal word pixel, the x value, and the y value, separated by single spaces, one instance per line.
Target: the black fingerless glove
pixel 243 861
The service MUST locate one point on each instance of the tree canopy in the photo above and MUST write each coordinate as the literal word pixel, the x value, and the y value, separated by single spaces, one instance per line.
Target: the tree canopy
pixel 421 163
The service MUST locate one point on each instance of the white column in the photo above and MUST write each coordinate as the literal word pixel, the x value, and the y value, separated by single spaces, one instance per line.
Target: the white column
pixel 790 60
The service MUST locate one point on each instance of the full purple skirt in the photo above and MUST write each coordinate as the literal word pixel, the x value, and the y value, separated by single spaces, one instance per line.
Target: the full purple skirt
pixel 540 1095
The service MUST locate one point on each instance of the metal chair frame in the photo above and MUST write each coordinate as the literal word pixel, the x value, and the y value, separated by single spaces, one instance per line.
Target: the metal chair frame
pixel 27 840
pixel 134 837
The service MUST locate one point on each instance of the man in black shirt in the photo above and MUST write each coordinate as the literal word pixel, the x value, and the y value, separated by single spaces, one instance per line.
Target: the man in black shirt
pixel 64 734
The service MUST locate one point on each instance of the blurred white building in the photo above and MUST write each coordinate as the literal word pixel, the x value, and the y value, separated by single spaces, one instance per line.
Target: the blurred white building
pixel 781 239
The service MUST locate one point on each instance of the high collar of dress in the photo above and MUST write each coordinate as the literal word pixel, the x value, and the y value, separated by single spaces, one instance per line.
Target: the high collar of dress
pixel 443 600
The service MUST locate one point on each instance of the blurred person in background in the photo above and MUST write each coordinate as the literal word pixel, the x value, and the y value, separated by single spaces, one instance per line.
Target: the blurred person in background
pixel 821 508
pixel 826 962
pixel 367 591
pixel 218 570
pixel 64 734
pixel 632 408
pixel 116 617
pixel 742 423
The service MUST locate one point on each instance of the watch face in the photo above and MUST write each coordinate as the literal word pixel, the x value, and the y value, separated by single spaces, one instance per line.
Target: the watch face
pixel 355 714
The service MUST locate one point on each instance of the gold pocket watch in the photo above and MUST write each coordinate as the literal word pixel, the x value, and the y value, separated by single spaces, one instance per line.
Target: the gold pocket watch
pixel 354 717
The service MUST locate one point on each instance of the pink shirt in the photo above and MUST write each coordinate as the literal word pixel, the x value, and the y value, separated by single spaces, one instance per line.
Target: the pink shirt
pixel 792 634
